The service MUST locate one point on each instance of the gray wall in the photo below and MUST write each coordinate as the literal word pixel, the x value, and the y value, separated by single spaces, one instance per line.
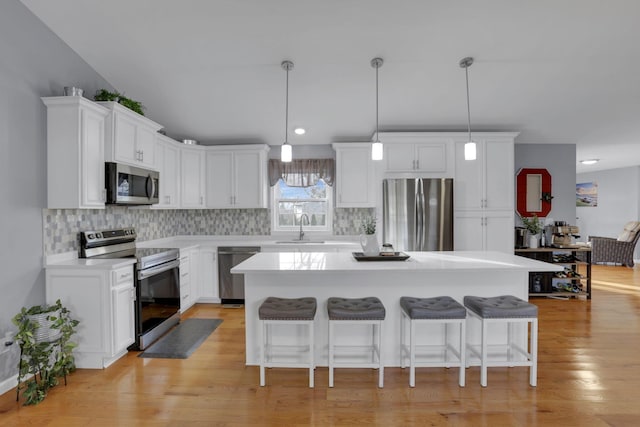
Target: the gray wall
pixel 560 161
pixel 618 202
pixel 34 63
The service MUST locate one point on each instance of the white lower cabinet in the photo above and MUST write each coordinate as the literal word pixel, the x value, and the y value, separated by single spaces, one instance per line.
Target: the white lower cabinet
pixel 208 291
pixel 103 301
pixel 188 278
pixel 483 231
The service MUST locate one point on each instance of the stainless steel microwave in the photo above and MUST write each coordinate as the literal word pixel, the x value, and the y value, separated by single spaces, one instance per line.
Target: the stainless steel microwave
pixel 129 185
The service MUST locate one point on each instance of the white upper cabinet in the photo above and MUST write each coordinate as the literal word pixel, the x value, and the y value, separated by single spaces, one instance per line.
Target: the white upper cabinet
pixel 424 154
pixel 130 137
pixel 488 181
pixel 237 177
pixel 193 185
pixel 167 156
pixel 354 175
pixel 75 153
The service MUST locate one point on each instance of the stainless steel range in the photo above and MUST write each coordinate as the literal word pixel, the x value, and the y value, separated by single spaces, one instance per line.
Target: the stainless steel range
pixel 157 305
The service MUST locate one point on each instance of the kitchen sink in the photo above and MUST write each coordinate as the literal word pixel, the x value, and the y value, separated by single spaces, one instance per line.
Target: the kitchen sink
pixel 299 241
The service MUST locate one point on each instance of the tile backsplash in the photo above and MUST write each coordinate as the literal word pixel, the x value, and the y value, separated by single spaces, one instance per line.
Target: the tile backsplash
pixel 61 226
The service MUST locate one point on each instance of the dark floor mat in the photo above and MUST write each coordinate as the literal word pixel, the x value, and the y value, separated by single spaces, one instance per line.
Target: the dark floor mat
pixel 182 340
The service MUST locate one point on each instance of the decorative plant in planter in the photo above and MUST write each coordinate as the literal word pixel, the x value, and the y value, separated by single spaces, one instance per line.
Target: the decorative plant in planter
pixel 368 240
pixel 46 351
pixel 534 227
pixel 105 95
pixel 369 225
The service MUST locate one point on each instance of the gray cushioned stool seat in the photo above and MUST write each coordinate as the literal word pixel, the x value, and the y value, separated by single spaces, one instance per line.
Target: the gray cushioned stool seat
pixel 501 307
pixel 287 309
pixel 368 308
pixel 433 308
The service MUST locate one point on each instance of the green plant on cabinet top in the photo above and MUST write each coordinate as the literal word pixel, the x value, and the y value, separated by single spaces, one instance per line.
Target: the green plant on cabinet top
pixel 105 95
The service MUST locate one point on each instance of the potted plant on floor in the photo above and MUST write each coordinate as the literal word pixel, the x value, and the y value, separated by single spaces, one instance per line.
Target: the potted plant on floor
pixel 46 352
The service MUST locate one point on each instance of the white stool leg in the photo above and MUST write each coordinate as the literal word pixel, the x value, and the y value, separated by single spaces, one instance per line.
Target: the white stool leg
pixel 381 365
pixel 412 353
pixel 331 343
pixel 262 351
pixel 483 354
pixel 533 370
pixel 403 340
pixel 312 364
pixel 463 351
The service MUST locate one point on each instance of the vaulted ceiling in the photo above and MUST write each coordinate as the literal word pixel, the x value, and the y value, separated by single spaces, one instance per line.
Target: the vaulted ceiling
pixel 558 71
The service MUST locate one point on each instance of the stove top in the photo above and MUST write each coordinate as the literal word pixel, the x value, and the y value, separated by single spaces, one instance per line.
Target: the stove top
pixel 120 243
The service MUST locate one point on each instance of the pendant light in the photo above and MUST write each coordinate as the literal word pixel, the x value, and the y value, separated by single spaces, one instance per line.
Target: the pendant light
pixel 470 145
pixel 376 147
pixel 285 150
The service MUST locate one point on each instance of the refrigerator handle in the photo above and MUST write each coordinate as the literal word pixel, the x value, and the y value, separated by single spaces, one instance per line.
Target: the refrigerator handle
pixel 420 215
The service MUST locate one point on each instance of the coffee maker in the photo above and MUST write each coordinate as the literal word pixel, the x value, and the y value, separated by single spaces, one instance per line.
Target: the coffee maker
pixel 561 235
pixel 521 238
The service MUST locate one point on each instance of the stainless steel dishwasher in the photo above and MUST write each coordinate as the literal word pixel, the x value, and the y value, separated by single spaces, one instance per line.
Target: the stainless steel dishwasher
pixel 232 285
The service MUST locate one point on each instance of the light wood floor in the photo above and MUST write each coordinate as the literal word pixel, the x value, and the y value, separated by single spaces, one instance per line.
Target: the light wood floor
pixel 589 375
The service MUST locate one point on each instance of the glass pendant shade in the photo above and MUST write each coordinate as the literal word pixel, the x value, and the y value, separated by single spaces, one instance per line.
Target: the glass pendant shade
pixel 470 150
pixel 285 153
pixel 376 151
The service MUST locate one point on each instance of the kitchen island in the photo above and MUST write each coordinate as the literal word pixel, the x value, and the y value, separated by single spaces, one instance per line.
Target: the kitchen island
pixel 424 274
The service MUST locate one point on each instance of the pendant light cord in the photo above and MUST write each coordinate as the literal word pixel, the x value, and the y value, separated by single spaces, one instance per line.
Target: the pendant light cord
pixel 286 113
pixel 466 71
pixel 377 132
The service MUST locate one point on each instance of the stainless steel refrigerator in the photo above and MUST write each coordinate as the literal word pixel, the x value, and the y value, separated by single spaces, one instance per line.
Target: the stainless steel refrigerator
pixel 418 214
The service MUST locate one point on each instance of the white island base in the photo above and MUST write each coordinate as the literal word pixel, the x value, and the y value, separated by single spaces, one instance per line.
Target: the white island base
pixel 424 274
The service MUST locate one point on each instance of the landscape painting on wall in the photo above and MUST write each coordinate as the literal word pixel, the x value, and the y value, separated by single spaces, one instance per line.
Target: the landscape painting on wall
pixel 587 194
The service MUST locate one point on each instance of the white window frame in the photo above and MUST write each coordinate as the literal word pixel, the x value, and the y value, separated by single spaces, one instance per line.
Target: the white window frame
pixel 308 229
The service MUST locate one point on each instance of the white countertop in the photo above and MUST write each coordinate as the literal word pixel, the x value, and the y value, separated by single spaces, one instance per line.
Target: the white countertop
pixel 98 264
pixel 419 261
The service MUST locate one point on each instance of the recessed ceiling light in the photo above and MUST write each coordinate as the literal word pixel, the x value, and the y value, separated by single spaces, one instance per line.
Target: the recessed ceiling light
pixel 589 161
pixel 299 131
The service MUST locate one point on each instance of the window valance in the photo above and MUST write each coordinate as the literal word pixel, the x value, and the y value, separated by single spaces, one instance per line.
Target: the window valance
pixel 302 172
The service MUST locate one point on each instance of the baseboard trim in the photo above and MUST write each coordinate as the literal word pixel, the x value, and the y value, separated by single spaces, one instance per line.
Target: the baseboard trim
pixel 9 384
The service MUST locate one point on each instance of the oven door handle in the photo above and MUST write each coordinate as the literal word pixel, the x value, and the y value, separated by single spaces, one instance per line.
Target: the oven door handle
pixel 143 274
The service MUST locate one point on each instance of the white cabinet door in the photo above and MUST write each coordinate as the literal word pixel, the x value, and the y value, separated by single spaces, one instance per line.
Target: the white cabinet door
pixel 192 189
pixel 499 232
pixel 188 278
pixel 123 297
pixel 219 179
pixel 124 138
pixel 431 157
pixel 487 182
pixel 249 175
pixel 167 156
pixel 483 231
pixel 354 176
pixel 146 146
pixel 130 138
pixel 499 175
pixel 469 180
pixel 399 157
pixel 236 177
pixel 468 234
pixel 92 158
pixel 75 153
pixel 208 290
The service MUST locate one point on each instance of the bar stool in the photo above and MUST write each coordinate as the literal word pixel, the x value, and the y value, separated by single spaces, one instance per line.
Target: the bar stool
pixel 289 311
pixel 439 310
pixel 356 311
pixel 510 310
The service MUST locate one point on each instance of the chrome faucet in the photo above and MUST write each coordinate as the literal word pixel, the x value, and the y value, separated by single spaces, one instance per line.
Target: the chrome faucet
pixel 303 216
